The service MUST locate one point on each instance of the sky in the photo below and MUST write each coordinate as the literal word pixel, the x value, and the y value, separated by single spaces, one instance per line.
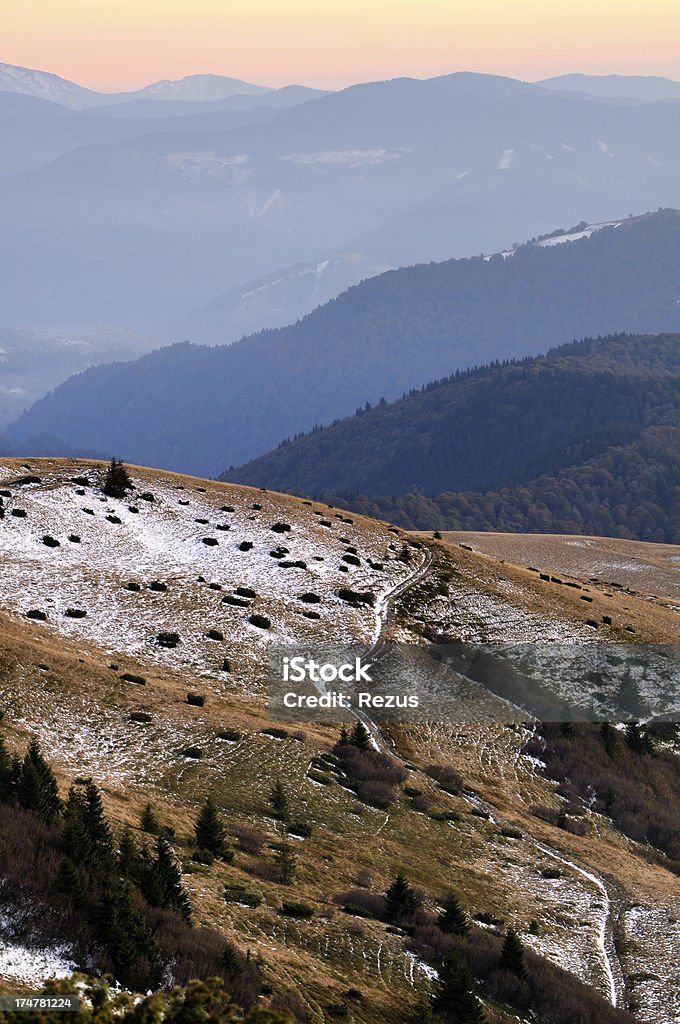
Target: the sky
pixel 331 43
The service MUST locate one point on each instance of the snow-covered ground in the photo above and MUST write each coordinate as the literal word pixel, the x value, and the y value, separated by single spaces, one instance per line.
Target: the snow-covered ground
pixel 164 541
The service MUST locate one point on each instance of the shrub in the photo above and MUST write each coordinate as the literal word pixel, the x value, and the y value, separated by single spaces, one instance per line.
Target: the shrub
pixel 114 519
pixel 158 587
pixel 136 587
pixel 245 545
pixel 193 752
pixel 75 613
pixel 355 597
pixel 276 732
pixel 448 779
pixel 239 894
pixel 236 602
pixel 261 621
pixel 35 613
pixel 309 598
pixel 20 513
pixel 215 634
pixel 293 908
pixel 210 542
pixel 245 592
pixel 143 717
pixel 167 639
pixel 131 677
pixel 249 839
pixel 74 538
pixel 280 527
pixel 229 734
pixel 197 700
pixel 351 559
pixel 361 903
pixel 203 856
pixel 301 829
pixel 50 542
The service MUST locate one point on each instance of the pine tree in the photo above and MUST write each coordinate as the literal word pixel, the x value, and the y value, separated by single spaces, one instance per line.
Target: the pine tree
pixel 129 858
pixel 117 480
pixel 637 740
pixel 98 829
pixel 210 832
pixel 453 918
pixel 455 996
pixel 67 880
pixel 278 798
pixel 360 737
pixel 37 787
pixel 131 944
pixel 344 737
pixel 167 881
pixel 231 961
pixel 512 955
pixel 148 821
pixel 75 835
pixel 400 900
pixel 286 861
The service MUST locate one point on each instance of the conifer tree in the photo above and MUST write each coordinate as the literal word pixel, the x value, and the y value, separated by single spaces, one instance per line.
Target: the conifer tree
pixel 148 821
pixel 129 858
pixel 360 737
pixel 637 740
pixel 278 798
pixel 231 961
pixel 75 835
pixel 117 480
pixel 453 919
pixel 37 787
pixel 344 737
pixel 210 832
pixel 455 996
pixel 166 881
pixel 98 829
pixel 286 860
pixel 131 944
pixel 512 955
pixel 67 880
pixel 400 900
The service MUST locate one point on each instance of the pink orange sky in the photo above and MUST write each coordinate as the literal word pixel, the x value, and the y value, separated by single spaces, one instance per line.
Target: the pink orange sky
pixel 118 44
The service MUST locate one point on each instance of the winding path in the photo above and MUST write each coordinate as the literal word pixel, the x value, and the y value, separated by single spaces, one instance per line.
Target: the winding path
pixel 613 972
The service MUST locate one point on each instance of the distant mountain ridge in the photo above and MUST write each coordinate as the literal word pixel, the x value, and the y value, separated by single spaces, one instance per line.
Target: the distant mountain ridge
pixel 643 87
pixel 142 229
pixel 583 440
pixel 46 85
pixel 202 409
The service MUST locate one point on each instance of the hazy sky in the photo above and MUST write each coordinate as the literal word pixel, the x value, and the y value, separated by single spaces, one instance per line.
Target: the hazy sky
pixel 113 44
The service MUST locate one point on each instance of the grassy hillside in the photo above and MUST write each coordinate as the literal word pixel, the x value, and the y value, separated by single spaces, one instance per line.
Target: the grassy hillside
pixel 199 410
pixel 74 684
pixel 584 440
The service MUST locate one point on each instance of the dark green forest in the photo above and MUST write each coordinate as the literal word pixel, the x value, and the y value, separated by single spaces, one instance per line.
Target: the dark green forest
pixel 583 440
pixel 197 409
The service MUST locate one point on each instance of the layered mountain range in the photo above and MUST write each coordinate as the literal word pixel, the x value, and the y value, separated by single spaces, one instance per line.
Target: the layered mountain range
pixel 196 408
